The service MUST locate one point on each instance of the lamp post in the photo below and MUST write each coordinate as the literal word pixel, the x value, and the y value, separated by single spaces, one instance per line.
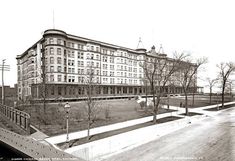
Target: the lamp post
pixel 67 108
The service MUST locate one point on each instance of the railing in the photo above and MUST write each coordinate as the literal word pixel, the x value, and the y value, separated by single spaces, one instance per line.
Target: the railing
pixel 19 118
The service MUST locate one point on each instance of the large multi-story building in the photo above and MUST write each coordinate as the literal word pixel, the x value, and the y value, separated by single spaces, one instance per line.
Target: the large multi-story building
pixel 65 61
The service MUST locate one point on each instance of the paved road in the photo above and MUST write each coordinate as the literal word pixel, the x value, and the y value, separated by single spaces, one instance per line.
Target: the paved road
pixel 210 140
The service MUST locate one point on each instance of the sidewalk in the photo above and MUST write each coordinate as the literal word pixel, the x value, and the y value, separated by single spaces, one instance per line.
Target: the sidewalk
pixel 80 134
pixel 38 135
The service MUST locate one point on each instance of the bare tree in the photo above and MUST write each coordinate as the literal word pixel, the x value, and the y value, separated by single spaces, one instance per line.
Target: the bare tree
pixel 211 84
pixel 188 74
pixel 93 106
pixel 158 71
pixel 225 70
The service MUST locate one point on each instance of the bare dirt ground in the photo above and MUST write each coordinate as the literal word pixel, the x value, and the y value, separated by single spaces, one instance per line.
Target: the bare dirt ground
pixel 212 139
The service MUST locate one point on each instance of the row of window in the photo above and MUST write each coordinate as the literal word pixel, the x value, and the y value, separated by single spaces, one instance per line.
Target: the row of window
pixel 101 50
pixel 92 56
pixel 89 47
pixel 81 55
pixel 71 54
pixel 96 90
pixel 95 80
pixel 92 48
pixel 81 63
pixel 81 71
pixel 61 42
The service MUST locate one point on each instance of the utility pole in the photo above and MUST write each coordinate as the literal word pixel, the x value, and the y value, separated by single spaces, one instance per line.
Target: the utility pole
pixel 3 67
pixel 3 100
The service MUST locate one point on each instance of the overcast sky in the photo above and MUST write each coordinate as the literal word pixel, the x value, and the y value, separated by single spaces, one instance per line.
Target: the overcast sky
pixel 201 27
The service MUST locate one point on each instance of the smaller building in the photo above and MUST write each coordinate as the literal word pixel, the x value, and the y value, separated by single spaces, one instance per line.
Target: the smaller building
pixel 10 92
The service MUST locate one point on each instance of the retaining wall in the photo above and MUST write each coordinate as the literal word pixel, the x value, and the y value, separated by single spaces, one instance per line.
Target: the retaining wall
pixel 97 149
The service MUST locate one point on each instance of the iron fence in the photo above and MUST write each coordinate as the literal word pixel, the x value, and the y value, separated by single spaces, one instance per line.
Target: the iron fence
pixel 19 118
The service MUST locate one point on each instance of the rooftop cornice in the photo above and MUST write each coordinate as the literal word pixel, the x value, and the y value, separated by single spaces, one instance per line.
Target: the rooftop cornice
pixel 86 40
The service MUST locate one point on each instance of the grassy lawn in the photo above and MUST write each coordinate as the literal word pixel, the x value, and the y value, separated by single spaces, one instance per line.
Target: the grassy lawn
pixel 110 111
pixel 54 119
pixel 199 101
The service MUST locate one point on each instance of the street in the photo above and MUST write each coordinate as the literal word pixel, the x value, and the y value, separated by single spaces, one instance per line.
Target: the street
pixel 212 139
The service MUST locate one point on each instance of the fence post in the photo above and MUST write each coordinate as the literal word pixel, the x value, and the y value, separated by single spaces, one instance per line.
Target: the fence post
pixel 9 113
pixel 20 118
pixel 13 116
pixel 16 121
pixel 16 117
pixel 28 123
pixel 6 111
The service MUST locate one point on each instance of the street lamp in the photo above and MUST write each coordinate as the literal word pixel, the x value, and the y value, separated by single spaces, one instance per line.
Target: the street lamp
pixel 67 108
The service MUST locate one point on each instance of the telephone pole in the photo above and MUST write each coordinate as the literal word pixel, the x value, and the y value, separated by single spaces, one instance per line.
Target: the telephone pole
pixel 3 67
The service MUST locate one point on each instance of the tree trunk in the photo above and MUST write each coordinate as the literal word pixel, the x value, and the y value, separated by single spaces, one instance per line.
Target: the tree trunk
pixel 89 119
pixel 88 131
pixel 222 100
pixel 223 88
pixel 154 110
pixel 210 94
pixel 186 104
pixel 157 104
pixel 154 106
